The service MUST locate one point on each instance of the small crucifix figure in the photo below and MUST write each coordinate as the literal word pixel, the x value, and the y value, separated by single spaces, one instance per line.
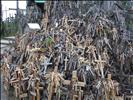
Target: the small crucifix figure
pixel 100 63
pixel 66 60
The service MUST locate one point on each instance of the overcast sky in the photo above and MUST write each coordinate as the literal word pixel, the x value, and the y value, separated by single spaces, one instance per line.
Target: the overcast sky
pixel 11 4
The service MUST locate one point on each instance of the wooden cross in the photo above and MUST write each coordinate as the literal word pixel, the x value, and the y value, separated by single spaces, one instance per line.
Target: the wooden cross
pixel 34 78
pixel 92 49
pixel 55 78
pixel 109 88
pixel 37 88
pixel 17 83
pixel 100 63
pixel 75 84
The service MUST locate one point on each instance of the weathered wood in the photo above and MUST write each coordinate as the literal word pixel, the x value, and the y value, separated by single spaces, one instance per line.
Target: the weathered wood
pixel 78 45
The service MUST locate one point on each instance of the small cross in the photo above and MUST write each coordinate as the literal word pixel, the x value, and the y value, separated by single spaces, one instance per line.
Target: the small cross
pixel 101 66
pixel 45 64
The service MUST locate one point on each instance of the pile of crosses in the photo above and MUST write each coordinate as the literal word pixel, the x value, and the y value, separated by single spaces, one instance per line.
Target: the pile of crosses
pixel 72 59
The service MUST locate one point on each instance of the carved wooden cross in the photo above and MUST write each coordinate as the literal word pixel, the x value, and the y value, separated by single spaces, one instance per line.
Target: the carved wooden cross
pixel 17 83
pixel 38 88
pixel 100 63
pixel 55 78
pixel 75 84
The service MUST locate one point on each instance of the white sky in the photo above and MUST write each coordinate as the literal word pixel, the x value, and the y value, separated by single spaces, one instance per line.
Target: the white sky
pixel 11 4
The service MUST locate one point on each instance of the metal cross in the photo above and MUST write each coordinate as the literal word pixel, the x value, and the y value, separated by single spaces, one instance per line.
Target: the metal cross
pixel 46 63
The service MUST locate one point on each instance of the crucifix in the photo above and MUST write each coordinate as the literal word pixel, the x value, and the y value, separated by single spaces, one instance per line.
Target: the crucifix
pixel 66 60
pixel 100 64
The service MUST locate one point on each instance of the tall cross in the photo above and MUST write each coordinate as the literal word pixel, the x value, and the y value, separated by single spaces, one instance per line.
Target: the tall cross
pixel 100 62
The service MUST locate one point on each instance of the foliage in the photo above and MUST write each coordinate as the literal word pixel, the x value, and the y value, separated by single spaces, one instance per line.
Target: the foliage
pixel 48 41
pixel 9 27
